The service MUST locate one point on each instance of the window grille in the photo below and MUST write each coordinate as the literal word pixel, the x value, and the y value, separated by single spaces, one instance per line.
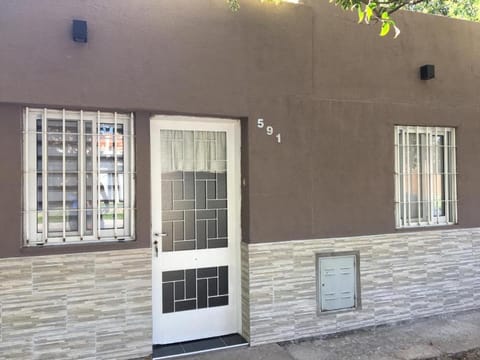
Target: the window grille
pixel 425 176
pixel 78 176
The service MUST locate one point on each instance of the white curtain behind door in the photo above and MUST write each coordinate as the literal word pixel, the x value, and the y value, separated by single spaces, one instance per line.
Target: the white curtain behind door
pixel 193 151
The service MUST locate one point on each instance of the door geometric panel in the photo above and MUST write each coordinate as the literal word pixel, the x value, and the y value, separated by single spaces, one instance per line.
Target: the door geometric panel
pixel 192 289
pixel 194 190
pixel 200 223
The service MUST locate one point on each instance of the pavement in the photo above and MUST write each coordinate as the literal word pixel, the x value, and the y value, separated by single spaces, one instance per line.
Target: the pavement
pixel 445 337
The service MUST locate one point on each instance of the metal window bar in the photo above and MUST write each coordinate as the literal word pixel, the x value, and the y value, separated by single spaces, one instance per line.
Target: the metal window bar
pixel 409 182
pixel 398 178
pixel 32 213
pixel 430 177
pixel 64 210
pixel 194 168
pixel 445 176
pixel 26 183
pixel 454 170
pixel 395 177
pixel 436 172
pixel 404 212
pixel 131 178
pixel 81 178
pixel 436 187
pixel 115 174
pixel 419 194
pixel 98 175
pixel 45 175
pixel 95 181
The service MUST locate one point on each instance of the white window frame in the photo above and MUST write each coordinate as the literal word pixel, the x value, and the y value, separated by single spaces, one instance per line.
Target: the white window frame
pixel 30 211
pixel 403 216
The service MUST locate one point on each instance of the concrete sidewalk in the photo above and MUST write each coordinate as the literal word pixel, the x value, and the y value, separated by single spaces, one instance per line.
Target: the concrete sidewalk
pixel 422 339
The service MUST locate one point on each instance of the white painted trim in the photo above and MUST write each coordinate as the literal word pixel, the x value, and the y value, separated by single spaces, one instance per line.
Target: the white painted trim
pixel 30 176
pixel 232 127
pixel 403 216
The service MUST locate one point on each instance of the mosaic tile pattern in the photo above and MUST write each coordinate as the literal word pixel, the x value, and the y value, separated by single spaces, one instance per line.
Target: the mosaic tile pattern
pixel 403 276
pixel 194 289
pixel 80 306
pixel 194 210
pixel 245 280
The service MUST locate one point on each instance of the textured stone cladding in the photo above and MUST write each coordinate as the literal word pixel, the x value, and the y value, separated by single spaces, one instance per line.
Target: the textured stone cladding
pixel 403 276
pixel 81 306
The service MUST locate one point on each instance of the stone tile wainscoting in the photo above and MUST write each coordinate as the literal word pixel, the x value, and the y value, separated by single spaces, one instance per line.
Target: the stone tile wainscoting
pixel 403 276
pixel 79 306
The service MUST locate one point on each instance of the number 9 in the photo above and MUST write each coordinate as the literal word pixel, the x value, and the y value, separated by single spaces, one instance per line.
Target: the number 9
pixel 269 130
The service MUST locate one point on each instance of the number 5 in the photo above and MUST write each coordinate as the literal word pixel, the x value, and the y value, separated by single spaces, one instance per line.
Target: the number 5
pixel 260 123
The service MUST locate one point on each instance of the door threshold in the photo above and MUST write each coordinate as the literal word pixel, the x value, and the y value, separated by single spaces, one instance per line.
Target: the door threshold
pixel 170 351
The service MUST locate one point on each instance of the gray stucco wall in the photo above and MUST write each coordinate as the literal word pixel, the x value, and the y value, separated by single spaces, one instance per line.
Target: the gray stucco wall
pixel 331 87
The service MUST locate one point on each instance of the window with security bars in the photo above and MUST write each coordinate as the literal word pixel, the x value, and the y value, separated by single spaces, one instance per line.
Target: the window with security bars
pixel 78 176
pixel 425 176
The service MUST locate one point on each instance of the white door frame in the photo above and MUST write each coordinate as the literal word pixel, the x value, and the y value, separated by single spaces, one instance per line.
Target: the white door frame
pixel 186 259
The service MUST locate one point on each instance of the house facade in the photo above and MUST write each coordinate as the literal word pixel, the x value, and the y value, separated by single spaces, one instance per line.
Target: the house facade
pixel 187 172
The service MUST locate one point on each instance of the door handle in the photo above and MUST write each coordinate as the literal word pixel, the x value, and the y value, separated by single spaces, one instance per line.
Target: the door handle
pixel 155 245
pixel 159 234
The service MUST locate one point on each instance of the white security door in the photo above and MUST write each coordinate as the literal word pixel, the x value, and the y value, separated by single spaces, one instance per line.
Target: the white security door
pixel 195 227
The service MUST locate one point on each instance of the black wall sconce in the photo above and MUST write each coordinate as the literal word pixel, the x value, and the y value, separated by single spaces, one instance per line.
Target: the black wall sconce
pixel 427 72
pixel 79 31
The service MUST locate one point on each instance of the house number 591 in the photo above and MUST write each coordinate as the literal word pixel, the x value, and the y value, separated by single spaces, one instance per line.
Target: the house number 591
pixel 269 130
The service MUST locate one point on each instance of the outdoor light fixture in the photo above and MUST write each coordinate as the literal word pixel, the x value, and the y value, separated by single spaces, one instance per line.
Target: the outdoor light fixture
pixel 79 31
pixel 427 72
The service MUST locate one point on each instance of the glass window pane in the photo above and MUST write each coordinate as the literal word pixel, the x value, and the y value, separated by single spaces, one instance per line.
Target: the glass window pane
pixel 55 152
pixel 55 126
pixel 71 126
pixel 55 191
pixel 120 218
pixel 107 214
pixel 71 221
pixel 106 199
pixel 55 223
pixel 71 147
pixel 39 203
pixel 39 144
pixel 106 148
pixel 88 146
pixel 119 148
pixel 89 204
pixel 71 189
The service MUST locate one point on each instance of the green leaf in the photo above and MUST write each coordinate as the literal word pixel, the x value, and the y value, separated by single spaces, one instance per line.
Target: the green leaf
pixel 361 15
pixel 385 16
pixel 233 4
pixel 369 13
pixel 385 28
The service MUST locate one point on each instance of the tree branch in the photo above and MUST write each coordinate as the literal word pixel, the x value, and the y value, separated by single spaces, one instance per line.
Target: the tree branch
pixel 399 6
